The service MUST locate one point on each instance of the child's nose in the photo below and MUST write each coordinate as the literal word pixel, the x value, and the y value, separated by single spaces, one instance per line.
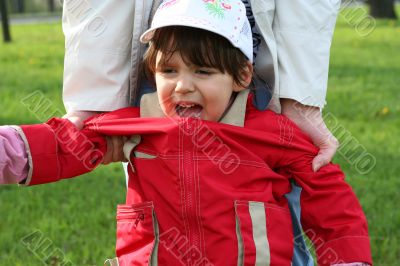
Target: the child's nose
pixel 184 85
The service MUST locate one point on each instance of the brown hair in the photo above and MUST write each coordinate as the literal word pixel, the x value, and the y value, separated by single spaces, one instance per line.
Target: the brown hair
pixel 198 47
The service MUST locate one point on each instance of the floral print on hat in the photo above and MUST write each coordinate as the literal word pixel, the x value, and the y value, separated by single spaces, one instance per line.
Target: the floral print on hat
pixel 217 8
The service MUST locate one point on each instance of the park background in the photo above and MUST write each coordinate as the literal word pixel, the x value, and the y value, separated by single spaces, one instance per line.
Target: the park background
pixel 73 222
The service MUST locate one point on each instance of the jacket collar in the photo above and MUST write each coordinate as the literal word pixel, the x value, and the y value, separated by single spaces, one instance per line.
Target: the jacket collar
pixel 149 107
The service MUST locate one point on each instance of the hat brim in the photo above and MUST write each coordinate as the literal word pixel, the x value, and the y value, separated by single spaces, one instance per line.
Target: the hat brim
pixel 148 35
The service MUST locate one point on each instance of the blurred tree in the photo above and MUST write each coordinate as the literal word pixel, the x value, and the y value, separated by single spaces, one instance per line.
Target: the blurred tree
pixel 382 8
pixel 51 5
pixel 21 6
pixel 4 20
pixel 17 6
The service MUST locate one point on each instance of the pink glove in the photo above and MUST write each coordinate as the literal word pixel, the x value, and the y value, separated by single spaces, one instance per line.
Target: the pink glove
pixel 13 157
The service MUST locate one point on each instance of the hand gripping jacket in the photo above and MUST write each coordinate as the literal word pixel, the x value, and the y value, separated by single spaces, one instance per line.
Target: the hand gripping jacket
pixel 206 193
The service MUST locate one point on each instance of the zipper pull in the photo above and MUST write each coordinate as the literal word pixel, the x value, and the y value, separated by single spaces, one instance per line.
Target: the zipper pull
pixel 139 218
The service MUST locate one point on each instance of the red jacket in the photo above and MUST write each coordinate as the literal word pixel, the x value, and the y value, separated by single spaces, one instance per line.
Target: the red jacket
pixel 206 193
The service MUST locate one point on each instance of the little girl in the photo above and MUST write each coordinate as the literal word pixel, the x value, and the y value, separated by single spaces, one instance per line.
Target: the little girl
pixel 208 171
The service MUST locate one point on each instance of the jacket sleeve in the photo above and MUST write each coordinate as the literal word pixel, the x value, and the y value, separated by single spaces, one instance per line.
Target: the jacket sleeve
pixel 303 31
pixel 97 61
pixel 331 215
pixel 58 150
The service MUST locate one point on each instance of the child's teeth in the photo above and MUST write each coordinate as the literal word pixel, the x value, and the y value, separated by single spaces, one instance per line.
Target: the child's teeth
pixel 186 105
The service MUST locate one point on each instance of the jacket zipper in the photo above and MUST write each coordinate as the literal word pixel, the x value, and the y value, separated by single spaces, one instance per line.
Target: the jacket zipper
pixel 193 234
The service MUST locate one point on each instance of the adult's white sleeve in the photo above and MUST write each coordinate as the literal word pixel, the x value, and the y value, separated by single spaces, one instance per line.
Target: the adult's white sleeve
pixel 303 32
pixel 97 62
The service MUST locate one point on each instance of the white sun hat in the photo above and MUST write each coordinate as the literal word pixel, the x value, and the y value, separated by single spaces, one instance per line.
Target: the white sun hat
pixel 224 17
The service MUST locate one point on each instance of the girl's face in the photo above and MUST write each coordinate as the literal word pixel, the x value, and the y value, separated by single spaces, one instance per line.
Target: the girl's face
pixel 193 91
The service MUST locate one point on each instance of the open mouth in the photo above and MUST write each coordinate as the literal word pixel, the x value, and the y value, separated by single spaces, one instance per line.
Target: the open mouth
pixel 188 110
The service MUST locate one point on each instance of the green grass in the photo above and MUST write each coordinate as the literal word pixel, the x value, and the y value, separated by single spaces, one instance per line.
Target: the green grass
pixel 77 216
pixel 364 95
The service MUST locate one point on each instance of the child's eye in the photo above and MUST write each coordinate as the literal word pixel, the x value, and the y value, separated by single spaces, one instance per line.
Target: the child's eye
pixel 168 70
pixel 204 71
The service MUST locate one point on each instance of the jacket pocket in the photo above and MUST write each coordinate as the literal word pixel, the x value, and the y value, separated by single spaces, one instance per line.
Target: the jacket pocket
pixel 264 233
pixel 137 234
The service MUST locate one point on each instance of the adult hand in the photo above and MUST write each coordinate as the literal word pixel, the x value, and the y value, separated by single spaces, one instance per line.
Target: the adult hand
pixel 78 117
pixel 115 151
pixel 114 143
pixel 310 120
